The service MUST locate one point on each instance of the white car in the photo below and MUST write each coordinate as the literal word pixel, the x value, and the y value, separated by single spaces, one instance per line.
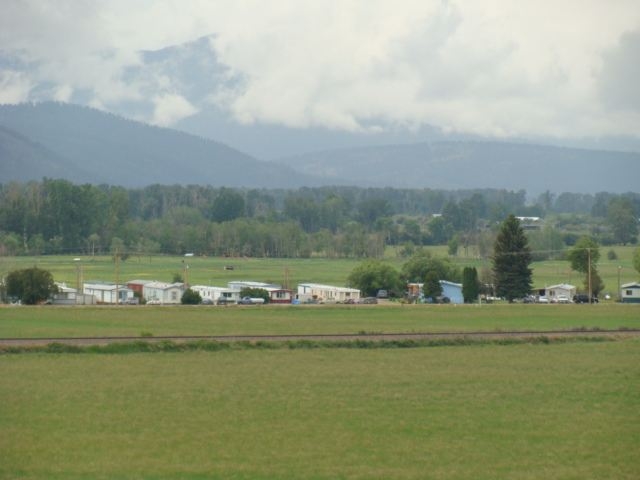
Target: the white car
pixel 562 299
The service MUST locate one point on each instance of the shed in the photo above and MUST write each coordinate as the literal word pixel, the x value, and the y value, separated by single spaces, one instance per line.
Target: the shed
pixel 630 292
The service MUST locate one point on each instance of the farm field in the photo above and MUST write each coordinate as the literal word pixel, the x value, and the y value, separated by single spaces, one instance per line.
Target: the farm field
pixel 476 412
pixel 87 321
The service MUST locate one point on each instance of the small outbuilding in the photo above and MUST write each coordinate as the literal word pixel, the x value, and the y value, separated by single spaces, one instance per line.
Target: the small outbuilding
pixel 630 292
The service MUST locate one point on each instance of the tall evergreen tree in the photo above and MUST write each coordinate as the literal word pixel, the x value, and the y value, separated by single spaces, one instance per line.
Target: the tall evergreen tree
pixel 470 284
pixel 511 260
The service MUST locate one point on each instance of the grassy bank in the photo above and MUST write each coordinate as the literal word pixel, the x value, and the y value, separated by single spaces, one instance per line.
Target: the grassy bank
pixel 521 411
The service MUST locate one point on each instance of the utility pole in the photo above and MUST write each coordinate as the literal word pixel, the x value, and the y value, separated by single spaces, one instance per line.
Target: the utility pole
pixel 589 265
pixel 117 258
pixel 619 289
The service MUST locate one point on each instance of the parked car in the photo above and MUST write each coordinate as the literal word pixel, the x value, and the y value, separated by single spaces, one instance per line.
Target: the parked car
pixel 250 301
pixel 562 299
pixel 584 298
pixel 369 300
pixel 382 294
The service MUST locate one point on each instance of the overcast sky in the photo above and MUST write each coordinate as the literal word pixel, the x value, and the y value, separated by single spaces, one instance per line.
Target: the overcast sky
pixel 561 68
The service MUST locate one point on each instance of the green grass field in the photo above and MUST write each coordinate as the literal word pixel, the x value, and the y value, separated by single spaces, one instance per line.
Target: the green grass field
pixel 560 411
pixel 211 271
pixel 51 321
pixel 480 411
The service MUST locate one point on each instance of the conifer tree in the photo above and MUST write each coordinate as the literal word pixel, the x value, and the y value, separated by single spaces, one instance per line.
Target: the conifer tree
pixel 470 284
pixel 511 260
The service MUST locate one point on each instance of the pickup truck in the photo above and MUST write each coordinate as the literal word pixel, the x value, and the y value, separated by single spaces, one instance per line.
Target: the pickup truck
pixel 250 301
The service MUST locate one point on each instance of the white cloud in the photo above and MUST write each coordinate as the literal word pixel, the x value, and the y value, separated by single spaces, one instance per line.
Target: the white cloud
pixel 169 108
pixel 495 67
pixel 14 87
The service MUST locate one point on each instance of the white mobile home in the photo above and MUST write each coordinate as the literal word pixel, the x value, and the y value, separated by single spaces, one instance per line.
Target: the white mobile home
pixel 163 293
pixel 214 294
pixel 561 290
pixel 325 293
pixel 108 292
pixel 630 292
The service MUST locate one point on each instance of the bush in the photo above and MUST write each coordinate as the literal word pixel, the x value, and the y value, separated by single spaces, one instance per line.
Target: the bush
pixel 191 297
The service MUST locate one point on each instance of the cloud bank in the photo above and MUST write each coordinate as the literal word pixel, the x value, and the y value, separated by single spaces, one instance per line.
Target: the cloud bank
pixel 497 68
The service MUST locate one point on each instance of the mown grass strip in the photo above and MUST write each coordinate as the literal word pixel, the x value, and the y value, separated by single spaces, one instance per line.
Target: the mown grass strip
pixel 168 346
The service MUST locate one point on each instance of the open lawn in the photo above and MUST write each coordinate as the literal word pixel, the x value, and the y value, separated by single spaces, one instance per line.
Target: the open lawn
pixel 87 321
pixel 559 411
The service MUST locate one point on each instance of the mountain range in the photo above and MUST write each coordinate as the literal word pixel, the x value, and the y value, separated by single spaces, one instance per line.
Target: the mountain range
pixel 81 144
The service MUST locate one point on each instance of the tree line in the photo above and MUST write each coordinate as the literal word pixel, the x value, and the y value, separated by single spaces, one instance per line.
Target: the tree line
pixel 57 216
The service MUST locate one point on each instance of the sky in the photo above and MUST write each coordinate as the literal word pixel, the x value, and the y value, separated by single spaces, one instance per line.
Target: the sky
pixel 496 68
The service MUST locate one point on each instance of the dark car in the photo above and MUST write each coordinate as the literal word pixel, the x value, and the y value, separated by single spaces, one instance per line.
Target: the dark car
pixel 584 298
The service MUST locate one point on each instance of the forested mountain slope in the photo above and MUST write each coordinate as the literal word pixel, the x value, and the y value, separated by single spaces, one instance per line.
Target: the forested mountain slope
pixel 474 164
pixel 87 145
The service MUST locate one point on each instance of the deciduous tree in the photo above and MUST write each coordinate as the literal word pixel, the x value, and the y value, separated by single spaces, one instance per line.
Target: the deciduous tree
pixel 30 285
pixel 583 257
pixel 374 275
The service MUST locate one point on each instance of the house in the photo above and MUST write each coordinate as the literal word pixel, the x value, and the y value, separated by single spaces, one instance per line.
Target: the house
pixel 240 284
pixel 561 290
pixel 108 292
pixel 137 286
pixel 315 292
pixel 163 293
pixel 214 294
pixel 277 294
pixel 280 295
pixel 630 292
pixel 69 296
pixel 453 291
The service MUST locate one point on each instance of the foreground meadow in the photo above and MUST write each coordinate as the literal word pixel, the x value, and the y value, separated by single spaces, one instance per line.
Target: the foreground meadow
pixel 555 411
pixel 133 321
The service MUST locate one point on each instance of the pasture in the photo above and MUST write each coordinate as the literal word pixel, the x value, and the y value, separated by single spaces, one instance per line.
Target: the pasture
pixel 553 411
pixel 87 321
pixel 211 270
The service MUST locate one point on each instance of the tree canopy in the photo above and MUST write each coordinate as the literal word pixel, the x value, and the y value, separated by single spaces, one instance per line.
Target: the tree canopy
pixel 30 285
pixel 373 275
pixel 583 257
